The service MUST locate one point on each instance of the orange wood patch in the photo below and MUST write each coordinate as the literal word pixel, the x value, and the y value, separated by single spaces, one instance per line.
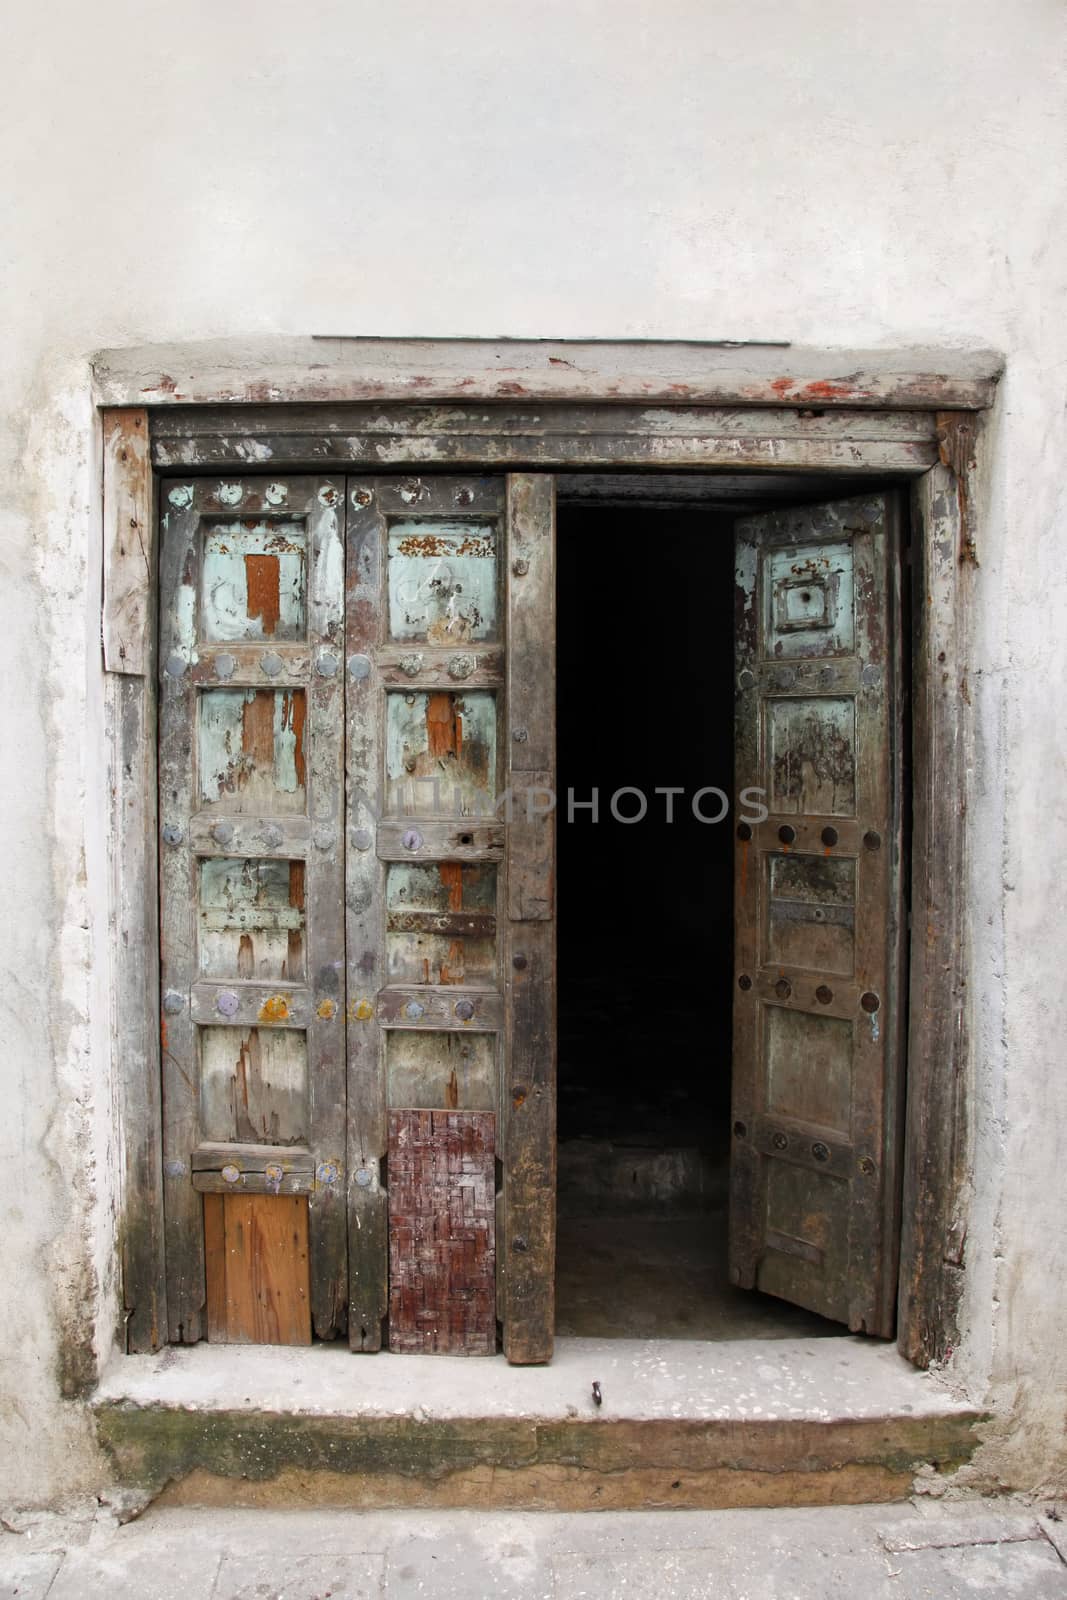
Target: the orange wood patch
pixel 256 1259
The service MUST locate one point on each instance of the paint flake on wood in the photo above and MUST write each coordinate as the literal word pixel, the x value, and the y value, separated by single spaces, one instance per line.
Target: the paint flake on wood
pixel 258 1289
pixel 252 750
pixel 442 1232
pixel 441 753
pixel 441 923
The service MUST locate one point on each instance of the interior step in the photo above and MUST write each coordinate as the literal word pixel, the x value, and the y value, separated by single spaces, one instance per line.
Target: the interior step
pixel 687 1423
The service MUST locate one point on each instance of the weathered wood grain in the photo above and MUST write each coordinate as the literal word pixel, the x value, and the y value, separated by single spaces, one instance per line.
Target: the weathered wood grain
pixel 134 937
pixel 258 1289
pixel 529 1100
pixel 129 567
pixel 364 714
pixel 610 448
pixel 442 1232
pixel 935 1190
pixel 475 370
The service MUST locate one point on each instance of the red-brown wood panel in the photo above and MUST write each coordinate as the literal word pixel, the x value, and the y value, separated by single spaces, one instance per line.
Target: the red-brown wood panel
pixel 442 1247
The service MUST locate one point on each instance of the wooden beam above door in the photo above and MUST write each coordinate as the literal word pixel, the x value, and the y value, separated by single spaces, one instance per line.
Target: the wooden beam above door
pixel 670 372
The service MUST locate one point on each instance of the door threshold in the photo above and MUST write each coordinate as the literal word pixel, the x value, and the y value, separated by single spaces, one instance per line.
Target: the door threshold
pixel 682 1423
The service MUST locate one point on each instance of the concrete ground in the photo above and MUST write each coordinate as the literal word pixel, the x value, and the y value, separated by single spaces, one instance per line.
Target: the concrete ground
pixel 926 1550
pixel 646 1277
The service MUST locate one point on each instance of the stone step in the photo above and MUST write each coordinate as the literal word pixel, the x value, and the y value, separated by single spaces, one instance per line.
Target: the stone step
pixel 682 1423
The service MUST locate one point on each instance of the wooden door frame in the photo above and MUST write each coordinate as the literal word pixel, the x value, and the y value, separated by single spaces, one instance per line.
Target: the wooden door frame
pixel 396 405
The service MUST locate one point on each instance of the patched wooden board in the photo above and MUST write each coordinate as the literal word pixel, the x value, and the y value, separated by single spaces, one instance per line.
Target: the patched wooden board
pixel 442 1232
pixel 256 1250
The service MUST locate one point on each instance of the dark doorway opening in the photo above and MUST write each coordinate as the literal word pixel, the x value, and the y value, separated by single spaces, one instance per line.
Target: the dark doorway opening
pixel 645 908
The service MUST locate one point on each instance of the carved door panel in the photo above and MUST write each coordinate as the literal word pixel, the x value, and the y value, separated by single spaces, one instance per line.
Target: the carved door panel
pixel 450 713
pixel 818 919
pixel 252 907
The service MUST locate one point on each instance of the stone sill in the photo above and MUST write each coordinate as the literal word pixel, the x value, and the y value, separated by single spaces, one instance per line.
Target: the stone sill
pixel 811 1380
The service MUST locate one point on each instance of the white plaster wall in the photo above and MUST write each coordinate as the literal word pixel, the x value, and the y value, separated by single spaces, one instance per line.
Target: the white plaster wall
pixel 824 171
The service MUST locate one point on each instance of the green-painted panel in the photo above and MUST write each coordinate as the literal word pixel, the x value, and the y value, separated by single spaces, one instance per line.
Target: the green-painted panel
pixel 809 598
pixel 251 750
pixel 812 756
pixel 254 581
pixel 442 582
pixel 441 754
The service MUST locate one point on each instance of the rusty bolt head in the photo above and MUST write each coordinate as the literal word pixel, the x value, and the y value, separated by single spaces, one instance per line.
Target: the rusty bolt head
pixel 829 837
pixel 870 1002
pixel 744 832
pixel 519 963
pixel 780 1142
pixel 783 988
pixel 872 840
pixel 824 994
pixel 744 982
pixel 820 1151
pixel 787 834
pixel 520 567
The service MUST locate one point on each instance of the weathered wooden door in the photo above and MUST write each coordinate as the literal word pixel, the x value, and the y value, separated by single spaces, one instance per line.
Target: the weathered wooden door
pixel 451 751
pixel 358 987
pixel 818 921
pixel 252 907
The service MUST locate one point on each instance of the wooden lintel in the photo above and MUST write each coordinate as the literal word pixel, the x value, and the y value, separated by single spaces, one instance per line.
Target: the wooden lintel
pixel 429 370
